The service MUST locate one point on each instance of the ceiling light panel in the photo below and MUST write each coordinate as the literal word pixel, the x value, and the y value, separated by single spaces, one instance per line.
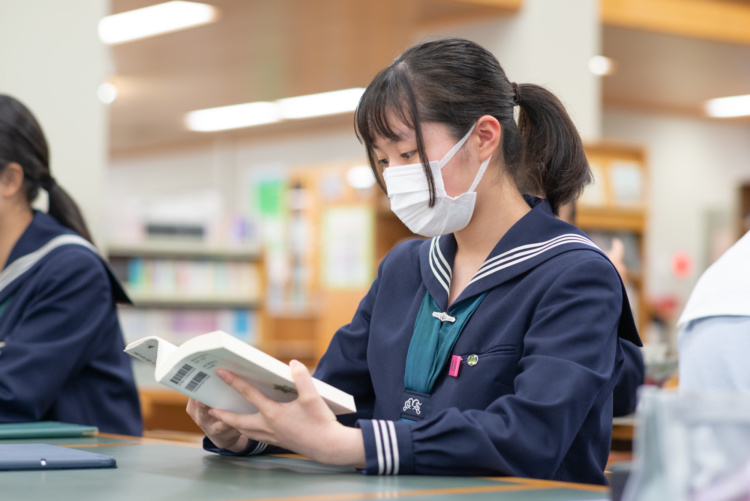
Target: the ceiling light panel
pixel 155 20
pixel 262 112
pixel 726 107
pixel 232 117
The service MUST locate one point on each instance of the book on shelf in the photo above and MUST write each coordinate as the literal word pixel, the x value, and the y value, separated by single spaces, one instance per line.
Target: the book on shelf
pixel 190 369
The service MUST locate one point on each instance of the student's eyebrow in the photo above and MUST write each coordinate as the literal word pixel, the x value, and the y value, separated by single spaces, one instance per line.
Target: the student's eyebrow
pixel 393 141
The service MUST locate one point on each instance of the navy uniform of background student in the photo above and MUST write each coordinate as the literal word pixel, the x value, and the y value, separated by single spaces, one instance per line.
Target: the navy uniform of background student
pixel 493 347
pixel 61 346
pixel 633 372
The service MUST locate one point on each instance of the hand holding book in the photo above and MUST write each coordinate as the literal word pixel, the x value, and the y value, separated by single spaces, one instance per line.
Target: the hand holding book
pixel 221 434
pixel 190 369
pixel 233 381
pixel 306 425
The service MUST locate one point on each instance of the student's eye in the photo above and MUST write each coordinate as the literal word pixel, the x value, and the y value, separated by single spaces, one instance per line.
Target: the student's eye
pixel 382 163
pixel 408 155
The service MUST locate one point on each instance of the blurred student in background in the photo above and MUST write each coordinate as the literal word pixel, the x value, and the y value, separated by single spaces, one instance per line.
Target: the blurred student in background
pixel 633 372
pixel 714 336
pixel 61 355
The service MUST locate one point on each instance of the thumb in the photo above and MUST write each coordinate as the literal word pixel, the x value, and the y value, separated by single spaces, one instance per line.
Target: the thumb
pixel 306 390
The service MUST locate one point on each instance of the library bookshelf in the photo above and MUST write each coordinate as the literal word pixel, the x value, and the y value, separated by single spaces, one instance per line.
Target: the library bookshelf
pixel 181 288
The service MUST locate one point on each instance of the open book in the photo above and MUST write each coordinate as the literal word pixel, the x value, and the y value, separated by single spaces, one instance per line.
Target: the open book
pixel 190 369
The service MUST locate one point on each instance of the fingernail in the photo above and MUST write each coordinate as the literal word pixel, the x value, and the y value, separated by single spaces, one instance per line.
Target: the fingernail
pixel 211 412
pixel 221 373
pixel 294 363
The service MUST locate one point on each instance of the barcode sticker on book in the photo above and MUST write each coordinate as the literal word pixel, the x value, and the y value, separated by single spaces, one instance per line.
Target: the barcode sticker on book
pixel 196 381
pixel 184 371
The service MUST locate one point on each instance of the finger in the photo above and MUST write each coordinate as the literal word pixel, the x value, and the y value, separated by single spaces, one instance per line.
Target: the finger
pixel 250 392
pixel 306 390
pixel 193 404
pixel 196 410
pixel 248 424
pixel 618 248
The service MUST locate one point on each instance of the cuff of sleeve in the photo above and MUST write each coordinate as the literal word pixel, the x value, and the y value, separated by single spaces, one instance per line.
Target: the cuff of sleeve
pixel 252 448
pixel 388 447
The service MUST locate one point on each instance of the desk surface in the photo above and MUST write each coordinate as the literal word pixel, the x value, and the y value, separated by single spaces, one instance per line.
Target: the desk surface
pixel 149 469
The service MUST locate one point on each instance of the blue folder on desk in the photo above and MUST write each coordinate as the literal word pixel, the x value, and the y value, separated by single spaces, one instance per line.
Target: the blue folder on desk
pixel 50 457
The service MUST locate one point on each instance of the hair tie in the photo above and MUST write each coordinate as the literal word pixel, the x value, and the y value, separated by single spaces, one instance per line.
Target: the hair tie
pixel 516 94
pixel 48 182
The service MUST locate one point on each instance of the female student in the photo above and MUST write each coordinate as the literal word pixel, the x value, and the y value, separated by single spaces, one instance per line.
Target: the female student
pixel 491 348
pixel 61 355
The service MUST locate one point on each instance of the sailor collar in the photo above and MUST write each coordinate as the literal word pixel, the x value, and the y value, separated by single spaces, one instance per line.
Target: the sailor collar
pixel 42 236
pixel 537 237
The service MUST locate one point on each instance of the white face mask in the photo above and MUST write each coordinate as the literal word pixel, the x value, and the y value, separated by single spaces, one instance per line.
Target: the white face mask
pixel 410 196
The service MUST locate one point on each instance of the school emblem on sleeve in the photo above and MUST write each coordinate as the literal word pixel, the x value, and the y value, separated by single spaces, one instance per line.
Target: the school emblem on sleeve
pixel 412 403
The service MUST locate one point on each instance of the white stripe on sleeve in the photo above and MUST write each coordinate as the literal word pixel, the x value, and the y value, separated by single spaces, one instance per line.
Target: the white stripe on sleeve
pixel 378 446
pixel 386 448
pixel 258 448
pixel 394 445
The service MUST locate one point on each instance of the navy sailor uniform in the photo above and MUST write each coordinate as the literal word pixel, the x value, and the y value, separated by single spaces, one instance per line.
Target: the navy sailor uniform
pixel 536 363
pixel 61 347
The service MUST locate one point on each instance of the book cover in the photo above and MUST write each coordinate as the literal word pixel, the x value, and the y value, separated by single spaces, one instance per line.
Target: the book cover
pixel 50 457
pixel 45 429
pixel 190 369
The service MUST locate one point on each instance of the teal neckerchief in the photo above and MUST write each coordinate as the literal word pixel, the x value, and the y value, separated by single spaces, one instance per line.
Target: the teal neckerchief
pixel 433 341
pixel 4 305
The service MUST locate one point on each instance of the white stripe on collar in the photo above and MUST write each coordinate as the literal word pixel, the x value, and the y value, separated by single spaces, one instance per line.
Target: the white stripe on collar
pixel 439 253
pixel 24 263
pixel 505 256
pixel 533 251
pixel 440 273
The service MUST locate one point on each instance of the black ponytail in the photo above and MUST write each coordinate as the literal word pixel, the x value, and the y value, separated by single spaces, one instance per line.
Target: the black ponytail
pixel 22 141
pixel 553 157
pixel 455 82
pixel 64 209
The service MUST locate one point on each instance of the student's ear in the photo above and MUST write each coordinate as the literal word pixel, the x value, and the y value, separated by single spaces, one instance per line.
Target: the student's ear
pixel 11 180
pixel 489 131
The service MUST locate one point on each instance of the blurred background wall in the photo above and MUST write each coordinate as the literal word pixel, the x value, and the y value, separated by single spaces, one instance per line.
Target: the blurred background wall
pixel 52 60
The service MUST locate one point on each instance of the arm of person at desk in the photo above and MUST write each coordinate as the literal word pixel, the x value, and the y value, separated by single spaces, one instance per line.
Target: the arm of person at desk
pixel 631 377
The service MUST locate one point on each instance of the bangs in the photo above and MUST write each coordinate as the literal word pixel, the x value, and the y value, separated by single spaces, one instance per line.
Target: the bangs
pixel 388 101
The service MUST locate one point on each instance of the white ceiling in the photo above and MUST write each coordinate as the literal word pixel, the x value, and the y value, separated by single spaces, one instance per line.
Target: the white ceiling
pixel 671 73
pixel 263 49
